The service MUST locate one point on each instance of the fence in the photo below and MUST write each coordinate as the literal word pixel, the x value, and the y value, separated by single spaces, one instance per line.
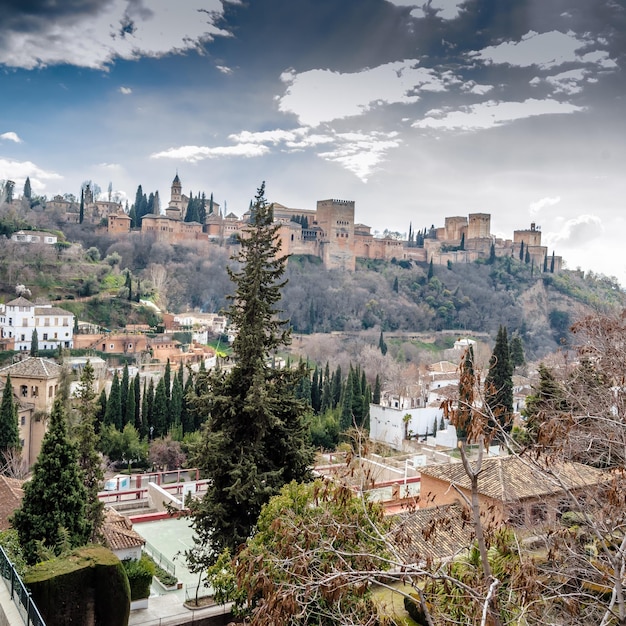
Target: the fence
pixel 160 559
pixel 19 594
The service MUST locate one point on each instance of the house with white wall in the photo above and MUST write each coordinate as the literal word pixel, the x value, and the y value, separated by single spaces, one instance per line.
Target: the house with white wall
pixel 55 326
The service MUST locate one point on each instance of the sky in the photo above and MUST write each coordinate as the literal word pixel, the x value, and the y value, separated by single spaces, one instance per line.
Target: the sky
pixel 416 111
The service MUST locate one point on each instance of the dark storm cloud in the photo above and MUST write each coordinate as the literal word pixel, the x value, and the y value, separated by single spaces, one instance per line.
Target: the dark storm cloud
pixel 30 15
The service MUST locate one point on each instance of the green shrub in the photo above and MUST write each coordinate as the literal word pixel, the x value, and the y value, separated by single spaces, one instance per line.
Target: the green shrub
pixel 140 575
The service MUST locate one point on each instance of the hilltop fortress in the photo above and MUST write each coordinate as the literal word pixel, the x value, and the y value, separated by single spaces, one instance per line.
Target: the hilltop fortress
pixel 330 233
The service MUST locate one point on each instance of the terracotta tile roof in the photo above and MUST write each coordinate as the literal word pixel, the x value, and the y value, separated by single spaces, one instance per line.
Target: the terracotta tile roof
pixel 21 301
pixel 118 531
pixel 51 310
pixel 437 533
pixel 32 367
pixel 11 495
pixel 510 478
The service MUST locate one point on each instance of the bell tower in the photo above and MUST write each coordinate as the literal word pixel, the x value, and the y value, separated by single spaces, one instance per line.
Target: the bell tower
pixel 177 192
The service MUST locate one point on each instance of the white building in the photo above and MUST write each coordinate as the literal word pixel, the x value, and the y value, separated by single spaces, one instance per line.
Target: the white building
pixel 55 326
pixel 33 236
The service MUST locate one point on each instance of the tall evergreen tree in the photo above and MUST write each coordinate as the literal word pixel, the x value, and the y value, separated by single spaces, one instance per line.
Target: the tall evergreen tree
pixel 316 391
pixel 382 346
pixel 159 411
pixel 34 343
pixel 28 192
pixel 176 403
pixel 492 254
pixel 396 287
pixel 124 384
pixel 377 390
pixel 517 351
pixel 256 436
pixel 552 263
pixel 81 211
pixel 129 410
pixel 336 387
pixel 9 428
pixel 499 386
pixel 521 252
pixel 53 507
pixel 467 387
pixel 113 413
pixel 89 460
pixel 462 244
pixel 137 421
pixel 101 408
pixel 431 270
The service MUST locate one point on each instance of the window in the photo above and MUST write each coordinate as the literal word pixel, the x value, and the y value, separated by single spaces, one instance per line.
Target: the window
pixel 34 391
pixel 23 421
pixel 112 346
pixel 45 336
pixel 22 337
pixel 517 516
pixel 25 322
pixel 10 321
pixel 538 513
pixel 24 391
pixel 50 392
pixel 56 335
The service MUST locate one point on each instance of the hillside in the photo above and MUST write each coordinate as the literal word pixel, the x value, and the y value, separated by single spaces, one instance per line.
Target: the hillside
pixel 395 297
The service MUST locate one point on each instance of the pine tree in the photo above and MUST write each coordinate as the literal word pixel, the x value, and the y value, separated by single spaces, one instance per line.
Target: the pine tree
pixel 256 436
pixel 53 507
pixel 34 343
pixel 499 386
pixel 89 460
pixel 9 428
pixel 113 413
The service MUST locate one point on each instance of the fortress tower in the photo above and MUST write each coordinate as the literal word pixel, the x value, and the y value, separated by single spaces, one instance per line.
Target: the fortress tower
pixel 335 218
pixel 454 228
pixel 479 226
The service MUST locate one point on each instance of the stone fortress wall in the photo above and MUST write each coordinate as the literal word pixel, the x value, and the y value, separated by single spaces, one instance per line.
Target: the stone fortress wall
pixel 331 234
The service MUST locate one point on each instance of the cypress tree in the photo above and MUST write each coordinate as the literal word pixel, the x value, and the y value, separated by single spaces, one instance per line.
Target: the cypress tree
pixel 396 287
pixel 382 346
pixel 101 407
pixel 53 507
pixel 9 428
pixel 167 380
pixel 256 436
pixel 552 263
pixel 139 425
pixel 81 212
pixel 346 417
pixel 129 413
pixel 527 255
pixel 545 263
pixel 377 391
pixel 499 386
pixel 521 252
pixel 176 403
pixel 113 413
pixel 431 269
pixel 462 245
pixel 159 411
pixel 186 414
pixel 34 343
pixel 28 192
pixel 316 391
pixel 517 351
pixel 89 460
pixel 336 387
pixel 124 396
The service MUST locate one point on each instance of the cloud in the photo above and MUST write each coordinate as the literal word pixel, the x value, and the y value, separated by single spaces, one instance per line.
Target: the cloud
pixel 224 69
pixel 544 50
pixel 444 9
pixel 543 203
pixel 18 171
pixel 11 136
pixel 576 232
pixel 193 154
pixel 126 91
pixel 358 152
pixel 352 94
pixel 491 114
pixel 92 33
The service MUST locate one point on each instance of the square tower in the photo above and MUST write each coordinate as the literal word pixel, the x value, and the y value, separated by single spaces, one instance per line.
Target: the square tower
pixel 335 218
